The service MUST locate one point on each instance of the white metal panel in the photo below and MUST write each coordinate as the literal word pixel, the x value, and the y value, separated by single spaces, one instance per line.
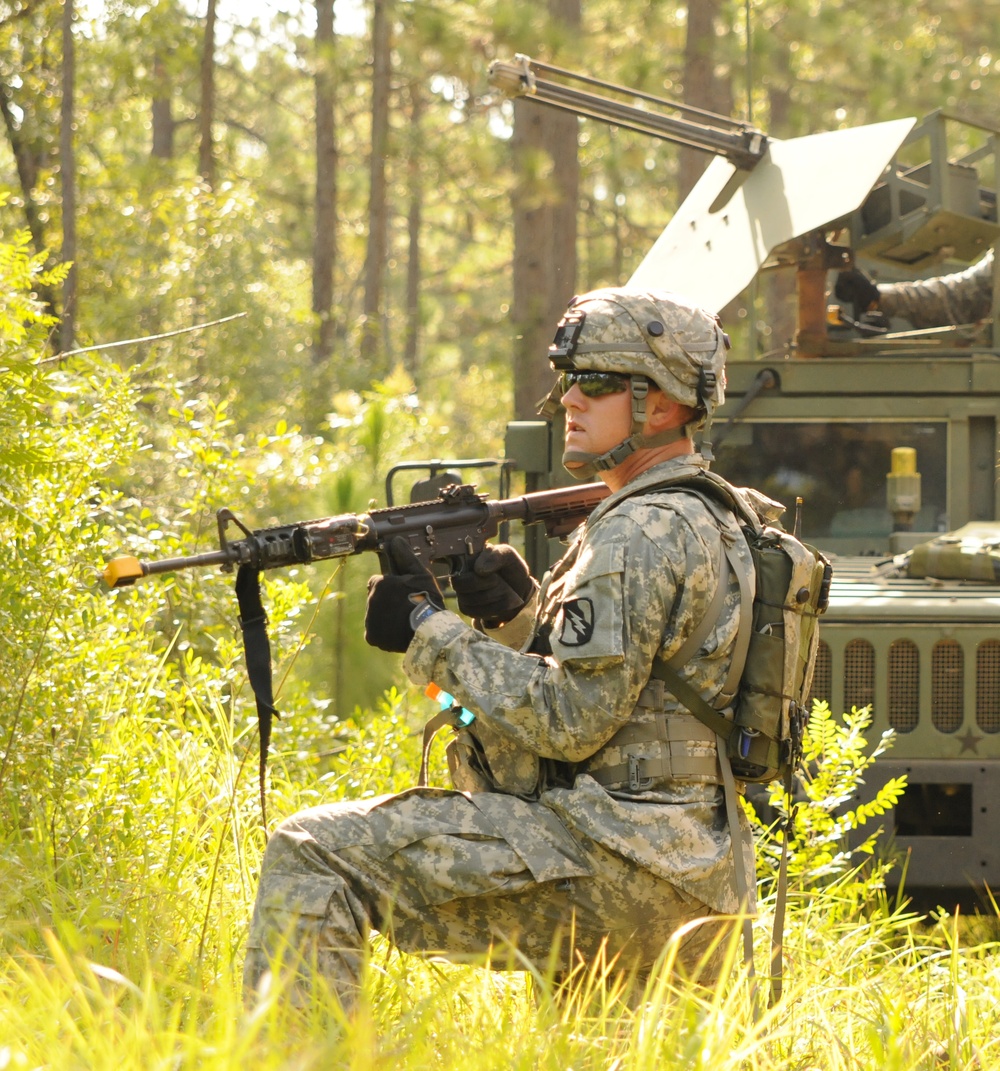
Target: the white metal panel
pixel 720 237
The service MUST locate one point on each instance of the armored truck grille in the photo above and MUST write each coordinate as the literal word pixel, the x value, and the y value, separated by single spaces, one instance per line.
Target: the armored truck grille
pixel 859 674
pixel 948 685
pixel 904 685
pixel 988 686
pixel 924 655
pixel 822 674
pixel 859 681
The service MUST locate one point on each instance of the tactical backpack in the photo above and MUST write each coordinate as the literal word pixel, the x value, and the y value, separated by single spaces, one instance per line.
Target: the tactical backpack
pixel 775 654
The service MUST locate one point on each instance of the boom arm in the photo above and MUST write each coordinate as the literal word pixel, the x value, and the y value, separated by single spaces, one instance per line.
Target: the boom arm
pixel 739 143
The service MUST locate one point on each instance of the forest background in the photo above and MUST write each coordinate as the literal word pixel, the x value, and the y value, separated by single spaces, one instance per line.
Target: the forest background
pixel 334 247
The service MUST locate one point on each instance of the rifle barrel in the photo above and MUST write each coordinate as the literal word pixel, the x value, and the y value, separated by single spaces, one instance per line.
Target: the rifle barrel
pixel 126 570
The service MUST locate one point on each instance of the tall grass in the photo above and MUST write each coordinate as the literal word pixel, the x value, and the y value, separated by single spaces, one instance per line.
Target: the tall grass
pixel 136 962
pixel 884 994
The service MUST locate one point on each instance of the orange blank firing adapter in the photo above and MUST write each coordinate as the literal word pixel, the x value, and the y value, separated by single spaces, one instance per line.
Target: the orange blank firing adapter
pixel 121 572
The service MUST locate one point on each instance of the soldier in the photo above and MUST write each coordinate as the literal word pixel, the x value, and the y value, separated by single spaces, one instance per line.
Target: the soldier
pixel 587 818
pixel 963 297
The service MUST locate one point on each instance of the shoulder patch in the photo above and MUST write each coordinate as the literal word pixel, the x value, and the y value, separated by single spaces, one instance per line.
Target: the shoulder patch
pixel 577 623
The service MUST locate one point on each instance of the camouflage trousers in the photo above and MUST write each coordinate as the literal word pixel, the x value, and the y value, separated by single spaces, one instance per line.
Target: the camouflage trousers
pixel 430 871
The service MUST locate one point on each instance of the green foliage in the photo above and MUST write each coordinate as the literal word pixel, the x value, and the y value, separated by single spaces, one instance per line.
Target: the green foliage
pixel 164 258
pixel 22 330
pixel 832 829
pixel 22 316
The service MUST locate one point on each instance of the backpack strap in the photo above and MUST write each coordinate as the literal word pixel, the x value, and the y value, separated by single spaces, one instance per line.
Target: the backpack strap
pixel 723 505
pixel 693 643
pixel 742 847
pixel 723 502
pixel 441 720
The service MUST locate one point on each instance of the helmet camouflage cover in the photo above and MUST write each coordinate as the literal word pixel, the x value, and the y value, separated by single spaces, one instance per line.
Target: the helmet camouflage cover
pixel 657 334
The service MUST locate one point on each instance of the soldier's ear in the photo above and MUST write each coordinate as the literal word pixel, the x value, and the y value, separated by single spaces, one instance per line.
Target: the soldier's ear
pixel 663 413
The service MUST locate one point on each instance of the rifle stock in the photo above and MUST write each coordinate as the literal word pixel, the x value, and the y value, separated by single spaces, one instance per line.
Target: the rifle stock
pixel 457 524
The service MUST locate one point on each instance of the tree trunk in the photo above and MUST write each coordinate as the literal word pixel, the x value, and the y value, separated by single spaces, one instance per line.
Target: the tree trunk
pixel 325 214
pixel 27 170
pixel 206 154
pixel 778 287
pixel 162 113
pixel 699 84
pixel 545 196
pixel 27 162
pixel 414 218
pixel 67 177
pixel 373 349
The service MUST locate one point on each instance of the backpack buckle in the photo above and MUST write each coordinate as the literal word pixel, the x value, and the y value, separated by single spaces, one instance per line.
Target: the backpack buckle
pixel 637 783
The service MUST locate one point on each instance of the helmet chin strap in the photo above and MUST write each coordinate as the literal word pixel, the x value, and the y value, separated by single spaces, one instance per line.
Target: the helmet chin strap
pixel 586 465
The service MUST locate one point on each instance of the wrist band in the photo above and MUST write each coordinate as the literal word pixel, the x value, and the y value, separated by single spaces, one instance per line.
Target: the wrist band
pixel 420 613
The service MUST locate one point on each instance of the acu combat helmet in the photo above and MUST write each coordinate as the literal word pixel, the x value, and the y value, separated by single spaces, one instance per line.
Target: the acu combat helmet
pixel 653 337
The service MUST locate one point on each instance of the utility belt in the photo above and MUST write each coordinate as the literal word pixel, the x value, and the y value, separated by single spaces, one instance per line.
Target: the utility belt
pixel 656 747
pixel 653 748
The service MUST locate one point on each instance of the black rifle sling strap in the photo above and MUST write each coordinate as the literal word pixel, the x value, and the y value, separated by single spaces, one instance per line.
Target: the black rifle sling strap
pixel 257 652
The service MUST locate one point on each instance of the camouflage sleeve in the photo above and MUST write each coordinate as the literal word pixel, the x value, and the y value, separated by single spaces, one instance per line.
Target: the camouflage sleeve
pixel 646 572
pixel 961 298
pixel 517 632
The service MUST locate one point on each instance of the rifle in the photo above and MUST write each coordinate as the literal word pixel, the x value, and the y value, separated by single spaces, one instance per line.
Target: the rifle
pixel 450 528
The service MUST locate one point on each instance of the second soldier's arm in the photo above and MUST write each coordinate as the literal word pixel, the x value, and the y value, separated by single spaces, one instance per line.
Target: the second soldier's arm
pixel 960 298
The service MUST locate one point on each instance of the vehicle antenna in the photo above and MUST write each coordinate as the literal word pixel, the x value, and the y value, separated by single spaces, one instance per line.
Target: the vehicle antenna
pixel 749 62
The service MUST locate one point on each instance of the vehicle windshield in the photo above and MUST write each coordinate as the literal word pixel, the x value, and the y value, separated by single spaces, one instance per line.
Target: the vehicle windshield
pixel 839 469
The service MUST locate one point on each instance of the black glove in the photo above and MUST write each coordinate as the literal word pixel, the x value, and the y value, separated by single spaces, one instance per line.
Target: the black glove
pixel 854 286
pixel 494 586
pixel 392 598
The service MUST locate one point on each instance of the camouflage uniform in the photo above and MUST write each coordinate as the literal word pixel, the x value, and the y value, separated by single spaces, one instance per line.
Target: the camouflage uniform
pixel 456 873
pixel 961 298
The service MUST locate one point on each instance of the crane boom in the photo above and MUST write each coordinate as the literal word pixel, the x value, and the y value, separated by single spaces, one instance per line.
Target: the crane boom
pixel 739 143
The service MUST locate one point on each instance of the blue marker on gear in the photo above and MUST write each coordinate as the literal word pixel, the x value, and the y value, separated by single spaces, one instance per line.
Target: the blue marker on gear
pixel 448 702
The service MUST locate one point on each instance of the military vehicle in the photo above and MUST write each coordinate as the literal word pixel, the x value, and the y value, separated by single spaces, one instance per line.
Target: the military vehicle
pixel 889 437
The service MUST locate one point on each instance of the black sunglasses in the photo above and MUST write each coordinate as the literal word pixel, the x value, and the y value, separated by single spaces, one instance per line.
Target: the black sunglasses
pixel 594 384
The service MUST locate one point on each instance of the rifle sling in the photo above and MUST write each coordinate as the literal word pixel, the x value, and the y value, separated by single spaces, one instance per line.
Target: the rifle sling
pixel 257 652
